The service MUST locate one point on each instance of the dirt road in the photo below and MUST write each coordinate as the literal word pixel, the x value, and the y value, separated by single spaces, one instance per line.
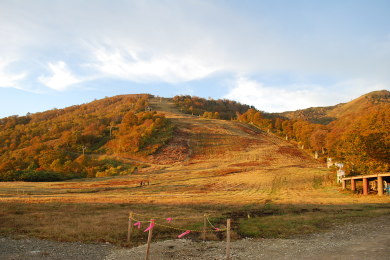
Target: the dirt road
pixel 368 240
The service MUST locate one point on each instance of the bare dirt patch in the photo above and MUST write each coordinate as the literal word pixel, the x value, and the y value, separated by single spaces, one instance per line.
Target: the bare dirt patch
pixel 176 150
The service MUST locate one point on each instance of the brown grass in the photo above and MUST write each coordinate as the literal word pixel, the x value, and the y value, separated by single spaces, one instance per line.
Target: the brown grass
pixel 89 222
pixel 228 168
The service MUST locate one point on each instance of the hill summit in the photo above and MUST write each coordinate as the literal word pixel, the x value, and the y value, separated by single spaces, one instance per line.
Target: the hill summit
pixel 123 134
pixel 325 115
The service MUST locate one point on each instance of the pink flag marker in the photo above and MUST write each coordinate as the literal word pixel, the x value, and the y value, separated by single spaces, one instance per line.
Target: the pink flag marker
pixel 138 224
pixel 217 229
pixel 183 234
pixel 169 220
pixel 150 226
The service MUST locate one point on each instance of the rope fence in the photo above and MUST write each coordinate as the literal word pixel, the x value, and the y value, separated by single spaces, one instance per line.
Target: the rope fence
pixel 137 220
pixel 169 220
pixel 177 218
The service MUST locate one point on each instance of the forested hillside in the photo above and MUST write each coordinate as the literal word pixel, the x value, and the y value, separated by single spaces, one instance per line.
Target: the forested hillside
pixel 68 143
pixel 358 133
pixel 325 115
pixel 87 140
pixel 315 115
pixel 213 109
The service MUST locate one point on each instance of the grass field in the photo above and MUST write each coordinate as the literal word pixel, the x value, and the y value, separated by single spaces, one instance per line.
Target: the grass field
pixel 221 168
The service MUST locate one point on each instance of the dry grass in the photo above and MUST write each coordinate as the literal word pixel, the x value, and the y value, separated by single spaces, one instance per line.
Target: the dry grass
pixel 228 167
pixel 90 222
pixel 288 221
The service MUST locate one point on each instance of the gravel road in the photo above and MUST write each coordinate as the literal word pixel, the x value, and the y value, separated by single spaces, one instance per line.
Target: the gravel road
pixel 368 240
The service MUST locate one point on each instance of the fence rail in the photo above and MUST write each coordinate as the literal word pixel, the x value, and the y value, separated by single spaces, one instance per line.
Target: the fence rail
pixel 136 219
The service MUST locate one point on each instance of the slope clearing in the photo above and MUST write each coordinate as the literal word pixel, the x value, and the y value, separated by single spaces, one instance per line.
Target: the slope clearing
pixel 208 160
pixel 223 168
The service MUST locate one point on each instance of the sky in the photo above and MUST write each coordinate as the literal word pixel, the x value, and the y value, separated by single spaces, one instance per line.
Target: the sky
pixel 277 55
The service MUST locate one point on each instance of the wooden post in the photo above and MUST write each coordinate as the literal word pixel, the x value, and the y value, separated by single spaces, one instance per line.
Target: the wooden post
pixel 343 184
pixel 147 257
pixel 228 239
pixel 204 227
pixel 380 185
pixel 365 186
pixel 130 227
pixel 353 185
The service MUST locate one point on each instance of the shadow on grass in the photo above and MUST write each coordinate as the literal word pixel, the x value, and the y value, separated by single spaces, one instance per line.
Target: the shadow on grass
pixel 108 222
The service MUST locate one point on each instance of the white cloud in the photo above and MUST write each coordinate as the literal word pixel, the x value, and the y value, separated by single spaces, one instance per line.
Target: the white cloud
pixel 9 79
pixel 169 41
pixel 61 77
pixel 271 98
pixel 347 90
pixel 140 65
pixel 289 97
pixel 177 41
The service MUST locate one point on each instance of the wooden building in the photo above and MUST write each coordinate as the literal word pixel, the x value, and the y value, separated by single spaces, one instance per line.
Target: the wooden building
pixel 376 182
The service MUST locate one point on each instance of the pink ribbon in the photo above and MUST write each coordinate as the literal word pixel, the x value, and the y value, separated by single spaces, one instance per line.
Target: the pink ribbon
pixel 169 220
pixel 217 229
pixel 138 224
pixel 183 234
pixel 150 226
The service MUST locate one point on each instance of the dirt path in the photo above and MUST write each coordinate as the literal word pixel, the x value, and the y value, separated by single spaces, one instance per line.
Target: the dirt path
pixel 368 240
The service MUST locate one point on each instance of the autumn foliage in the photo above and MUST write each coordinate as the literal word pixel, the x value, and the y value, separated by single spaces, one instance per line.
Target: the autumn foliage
pixel 87 140
pixel 358 136
pixel 209 108
pixel 67 143
pixel 356 133
pixel 143 132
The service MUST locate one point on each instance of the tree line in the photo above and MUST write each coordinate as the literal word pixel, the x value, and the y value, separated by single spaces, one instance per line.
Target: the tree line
pixel 209 108
pixel 360 140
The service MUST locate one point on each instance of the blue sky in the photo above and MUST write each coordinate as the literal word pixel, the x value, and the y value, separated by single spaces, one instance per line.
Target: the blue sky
pixel 276 55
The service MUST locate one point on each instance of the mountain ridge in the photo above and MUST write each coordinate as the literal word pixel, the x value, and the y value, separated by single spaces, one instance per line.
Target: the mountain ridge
pixel 327 114
pixel 121 134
